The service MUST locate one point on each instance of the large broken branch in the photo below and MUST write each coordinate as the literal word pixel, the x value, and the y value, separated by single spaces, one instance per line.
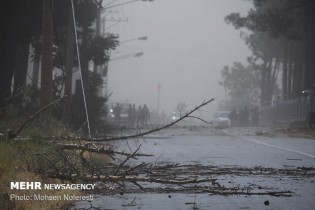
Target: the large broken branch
pixel 141 134
pixel 103 178
pixel 101 150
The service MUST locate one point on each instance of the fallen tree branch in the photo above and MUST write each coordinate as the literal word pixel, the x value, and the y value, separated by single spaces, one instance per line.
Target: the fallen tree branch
pixel 237 192
pixel 202 120
pixel 101 150
pixel 132 169
pixel 188 114
pixel 50 161
pixel 34 115
pixel 147 179
pixel 128 157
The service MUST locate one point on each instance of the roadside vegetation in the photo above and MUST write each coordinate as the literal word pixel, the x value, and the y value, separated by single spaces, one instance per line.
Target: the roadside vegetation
pixel 29 156
pixel 280 35
pixel 17 163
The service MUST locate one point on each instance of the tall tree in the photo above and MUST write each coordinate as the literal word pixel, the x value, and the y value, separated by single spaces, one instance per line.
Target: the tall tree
pixel 288 26
pixel 242 84
pixel 47 54
pixel 21 21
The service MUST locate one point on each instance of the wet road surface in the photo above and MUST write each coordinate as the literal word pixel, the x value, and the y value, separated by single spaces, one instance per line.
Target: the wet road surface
pixel 236 147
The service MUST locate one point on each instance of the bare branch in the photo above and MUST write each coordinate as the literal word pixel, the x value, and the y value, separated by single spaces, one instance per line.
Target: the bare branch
pixel 34 115
pixel 202 120
pixel 147 179
pixel 51 162
pixel 100 150
pixel 188 114
pixel 128 157
pixel 132 169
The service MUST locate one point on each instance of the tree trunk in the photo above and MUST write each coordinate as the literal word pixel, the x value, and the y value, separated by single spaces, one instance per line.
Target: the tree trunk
pixel 268 86
pixel 285 72
pixel 309 78
pixel 35 76
pixel 263 79
pixel 290 68
pixel 274 77
pixel 8 43
pixel 47 56
pixel 6 68
pixel 20 71
pixel 69 67
pixel 298 71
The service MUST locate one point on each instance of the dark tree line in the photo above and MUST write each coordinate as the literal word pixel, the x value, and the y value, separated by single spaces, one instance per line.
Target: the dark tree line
pixel 282 39
pixel 44 31
pixel 20 21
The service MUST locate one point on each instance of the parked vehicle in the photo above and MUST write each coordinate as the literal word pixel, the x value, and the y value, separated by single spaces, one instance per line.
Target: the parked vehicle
pixel 123 113
pixel 221 119
pixel 175 116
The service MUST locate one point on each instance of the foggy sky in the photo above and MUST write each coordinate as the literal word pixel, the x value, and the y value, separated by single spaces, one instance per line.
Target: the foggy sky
pixel 188 44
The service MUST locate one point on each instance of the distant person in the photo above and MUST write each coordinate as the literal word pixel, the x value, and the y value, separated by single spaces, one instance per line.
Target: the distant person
pixel 117 111
pixel 133 115
pixel 246 116
pixel 241 118
pixel 129 119
pixel 255 117
pixel 233 117
pixel 146 115
pixel 139 120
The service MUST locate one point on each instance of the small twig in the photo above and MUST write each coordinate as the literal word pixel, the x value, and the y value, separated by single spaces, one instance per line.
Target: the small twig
pixel 131 203
pixel 148 174
pixel 66 160
pixel 132 169
pixel 138 185
pixel 36 114
pixel 52 164
pixel 127 158
pixel 210 123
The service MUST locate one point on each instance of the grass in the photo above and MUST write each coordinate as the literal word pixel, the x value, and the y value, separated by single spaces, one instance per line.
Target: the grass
pixel 18 161
pixel 16 158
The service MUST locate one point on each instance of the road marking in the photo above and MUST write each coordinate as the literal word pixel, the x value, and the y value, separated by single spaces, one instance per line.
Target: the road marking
pixel 270 145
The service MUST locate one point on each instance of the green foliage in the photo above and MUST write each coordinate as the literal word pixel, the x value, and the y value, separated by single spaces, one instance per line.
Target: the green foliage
pixel 242 84
pixel 8 164
pixel 98 49
pixel 282 36
pixel 95 104
pixel 277 18
pixel 19 162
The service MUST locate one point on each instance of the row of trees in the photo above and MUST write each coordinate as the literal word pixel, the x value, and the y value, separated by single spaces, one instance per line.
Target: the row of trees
pixel 44 31
pixel 281 36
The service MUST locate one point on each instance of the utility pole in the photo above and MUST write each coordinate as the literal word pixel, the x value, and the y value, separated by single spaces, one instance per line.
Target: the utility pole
pixel 158 99
pixel 47 55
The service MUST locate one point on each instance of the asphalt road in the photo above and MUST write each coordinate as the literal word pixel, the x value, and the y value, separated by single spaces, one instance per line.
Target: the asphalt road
pixel 236 147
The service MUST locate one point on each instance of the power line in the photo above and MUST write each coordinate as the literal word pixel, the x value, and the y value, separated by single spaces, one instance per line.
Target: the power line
pixel 78 55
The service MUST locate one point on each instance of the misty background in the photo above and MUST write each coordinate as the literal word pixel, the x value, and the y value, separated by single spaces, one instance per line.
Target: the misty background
pixel 188 44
